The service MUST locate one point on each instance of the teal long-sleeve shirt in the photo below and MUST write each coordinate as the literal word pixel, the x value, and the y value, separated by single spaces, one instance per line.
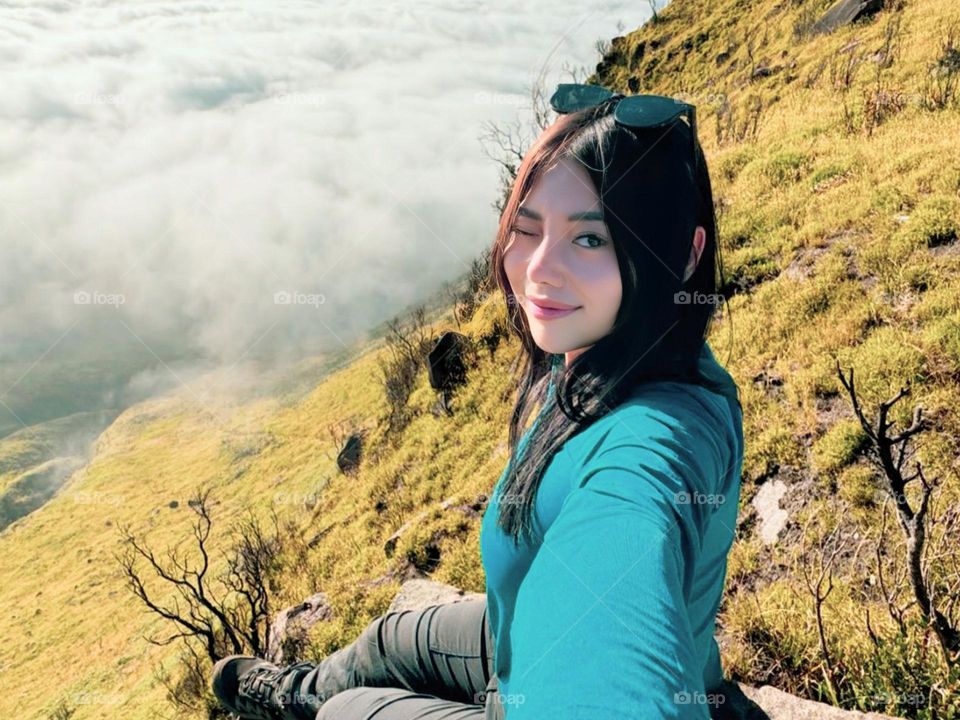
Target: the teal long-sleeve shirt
pixel 610 612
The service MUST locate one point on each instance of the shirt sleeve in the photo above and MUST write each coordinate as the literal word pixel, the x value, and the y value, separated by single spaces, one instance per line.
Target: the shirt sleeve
pixel 600 626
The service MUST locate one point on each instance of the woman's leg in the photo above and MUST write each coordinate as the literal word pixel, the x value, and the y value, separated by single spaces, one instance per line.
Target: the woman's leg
pixel 443 652
pixel 364 703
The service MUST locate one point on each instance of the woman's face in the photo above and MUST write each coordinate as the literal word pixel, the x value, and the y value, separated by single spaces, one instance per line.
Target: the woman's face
pixel 557 257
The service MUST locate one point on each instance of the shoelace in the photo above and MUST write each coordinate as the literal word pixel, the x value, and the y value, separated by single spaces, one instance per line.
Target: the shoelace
pixel 256 692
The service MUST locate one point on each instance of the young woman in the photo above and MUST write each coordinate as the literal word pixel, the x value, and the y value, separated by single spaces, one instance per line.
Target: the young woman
pixel 606 537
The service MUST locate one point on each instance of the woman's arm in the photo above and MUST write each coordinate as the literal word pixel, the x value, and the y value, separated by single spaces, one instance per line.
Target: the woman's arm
pixel 600 627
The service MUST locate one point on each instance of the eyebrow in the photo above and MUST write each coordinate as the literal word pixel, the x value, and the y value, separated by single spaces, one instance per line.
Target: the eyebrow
pixel 585 215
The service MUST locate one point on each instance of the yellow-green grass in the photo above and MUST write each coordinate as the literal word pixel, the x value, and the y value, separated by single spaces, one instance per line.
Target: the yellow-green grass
pixel 847 243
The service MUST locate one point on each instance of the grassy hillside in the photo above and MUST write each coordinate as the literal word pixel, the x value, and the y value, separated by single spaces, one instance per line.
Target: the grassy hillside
pixel 839 218
pixel 72 618
pixel 836 168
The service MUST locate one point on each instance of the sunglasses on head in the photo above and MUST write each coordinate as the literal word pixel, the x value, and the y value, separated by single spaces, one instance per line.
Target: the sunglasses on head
pixel 632 111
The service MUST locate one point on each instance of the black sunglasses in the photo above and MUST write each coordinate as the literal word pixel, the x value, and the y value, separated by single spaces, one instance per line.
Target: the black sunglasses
pixel 632 111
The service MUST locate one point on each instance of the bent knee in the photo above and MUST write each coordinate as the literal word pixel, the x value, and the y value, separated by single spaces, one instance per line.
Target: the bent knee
pixel 358 703
pixel 389 703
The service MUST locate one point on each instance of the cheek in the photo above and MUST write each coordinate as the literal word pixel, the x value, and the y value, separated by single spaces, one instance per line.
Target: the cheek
pixel 514 268
pixel 606 288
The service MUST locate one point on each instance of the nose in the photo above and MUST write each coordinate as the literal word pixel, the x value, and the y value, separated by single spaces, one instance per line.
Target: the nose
pixel 545 265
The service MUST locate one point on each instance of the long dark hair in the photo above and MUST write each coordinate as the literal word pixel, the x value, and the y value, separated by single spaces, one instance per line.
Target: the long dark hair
pixel 653 198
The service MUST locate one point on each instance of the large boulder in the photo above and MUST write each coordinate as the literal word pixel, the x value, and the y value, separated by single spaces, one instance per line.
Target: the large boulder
pixel 349 457
pixel 447 367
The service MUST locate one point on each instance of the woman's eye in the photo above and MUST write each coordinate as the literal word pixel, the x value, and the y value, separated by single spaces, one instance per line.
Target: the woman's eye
pixel 600 240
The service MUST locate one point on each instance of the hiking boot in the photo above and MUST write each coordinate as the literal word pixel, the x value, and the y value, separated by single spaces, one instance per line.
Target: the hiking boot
pixel 248 686
pixel 253 688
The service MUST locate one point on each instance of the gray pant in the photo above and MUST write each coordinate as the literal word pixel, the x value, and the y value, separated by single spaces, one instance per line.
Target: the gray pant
pixel 430 664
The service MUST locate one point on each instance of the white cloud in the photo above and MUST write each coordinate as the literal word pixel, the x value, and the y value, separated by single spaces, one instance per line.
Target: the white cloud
pixel 199 157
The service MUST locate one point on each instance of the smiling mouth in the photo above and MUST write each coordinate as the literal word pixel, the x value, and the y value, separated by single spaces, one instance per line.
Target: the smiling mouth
pixel 545 313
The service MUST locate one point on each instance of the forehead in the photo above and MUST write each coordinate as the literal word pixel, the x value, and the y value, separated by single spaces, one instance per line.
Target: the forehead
pixel 563 186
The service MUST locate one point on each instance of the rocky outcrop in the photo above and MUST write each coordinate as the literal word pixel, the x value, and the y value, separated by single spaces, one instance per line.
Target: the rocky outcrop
pixel 446 366
pixel 348 459
pixel 845 12
pixel 778 705
pixel 287 637
pixel 416 594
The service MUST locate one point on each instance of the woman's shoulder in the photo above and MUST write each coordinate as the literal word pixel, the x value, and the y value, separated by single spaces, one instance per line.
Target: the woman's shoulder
pixel 667 415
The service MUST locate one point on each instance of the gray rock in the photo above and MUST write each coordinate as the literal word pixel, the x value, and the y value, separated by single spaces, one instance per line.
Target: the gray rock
pixel 778 705
pixel 845 12
pixel 417 594
pixel 287 635
pixel 772 517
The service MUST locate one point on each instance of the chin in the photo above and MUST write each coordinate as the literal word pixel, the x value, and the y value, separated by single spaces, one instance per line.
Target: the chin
pixel 551 346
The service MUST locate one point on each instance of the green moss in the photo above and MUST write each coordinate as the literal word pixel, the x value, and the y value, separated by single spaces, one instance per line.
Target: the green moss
pixel 786 167
pixel 935 221
pixel 730 164
pixel 887 359
pixel 489 317
pixel 938 301
pixel 750 266
pixel 839 446
pixel 943 337
pixel 857 485
pixel 771 444
pixel 741 228
pixel 890 198
pixel 826 173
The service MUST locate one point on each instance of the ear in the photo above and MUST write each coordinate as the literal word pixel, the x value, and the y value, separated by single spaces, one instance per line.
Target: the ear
pixel 699 240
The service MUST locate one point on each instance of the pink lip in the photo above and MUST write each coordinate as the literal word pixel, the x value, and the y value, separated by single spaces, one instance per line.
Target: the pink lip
pixel 545 313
